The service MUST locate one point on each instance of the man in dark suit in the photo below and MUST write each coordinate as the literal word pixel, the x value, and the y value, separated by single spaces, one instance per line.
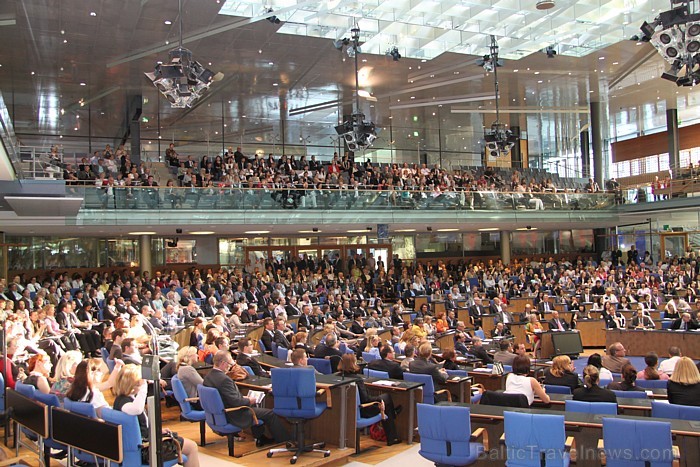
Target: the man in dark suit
pixel 479 351
pixel 500 331
pixel 386 363
pixel 423 366
pixel 305 319
pixel 292 309
pixel 328 347
pixel 475 311
pixel 556 323
pixel 545 306
pixel 357 325
pixel 280 336
pixel 245 358
pixel 268 335
pixel 450 302
pixel 232 398
pixel 501 311
pixel 685 323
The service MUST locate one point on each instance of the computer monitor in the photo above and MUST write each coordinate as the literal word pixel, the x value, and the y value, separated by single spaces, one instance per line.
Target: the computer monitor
pixel 567 343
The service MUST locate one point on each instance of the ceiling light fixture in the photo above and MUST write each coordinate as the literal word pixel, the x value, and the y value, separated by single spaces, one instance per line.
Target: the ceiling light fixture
pixel 182 80
pixel 545 4
pixel 257 232
pixel 488 229
pixel 202 232
pixel 499 140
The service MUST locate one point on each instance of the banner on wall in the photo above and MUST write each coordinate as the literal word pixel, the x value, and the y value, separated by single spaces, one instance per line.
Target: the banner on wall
pixel 383 232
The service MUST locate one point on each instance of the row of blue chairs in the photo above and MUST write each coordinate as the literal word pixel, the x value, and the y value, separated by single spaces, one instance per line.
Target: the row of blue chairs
pixel 534 440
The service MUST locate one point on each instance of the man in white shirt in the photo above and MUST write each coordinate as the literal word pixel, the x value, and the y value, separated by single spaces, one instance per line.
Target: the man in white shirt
pixel 667 366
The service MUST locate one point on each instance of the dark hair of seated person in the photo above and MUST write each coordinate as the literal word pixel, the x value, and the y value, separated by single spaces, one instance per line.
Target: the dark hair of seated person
pixel 521 365
pixel 629 376
pixel 348 365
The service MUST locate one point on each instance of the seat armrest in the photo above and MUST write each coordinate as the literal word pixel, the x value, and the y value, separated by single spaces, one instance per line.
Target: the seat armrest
pixel 483 434
pixel 676 452
pixel 192 399
pixel 442 391
pixel 381 407
pixel 329 401
pixel 502 439
pixel 601 451
pixel 569 443
pixel 243 407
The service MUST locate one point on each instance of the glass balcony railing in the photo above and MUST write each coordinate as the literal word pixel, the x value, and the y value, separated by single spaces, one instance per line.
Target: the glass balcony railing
pixel 150 198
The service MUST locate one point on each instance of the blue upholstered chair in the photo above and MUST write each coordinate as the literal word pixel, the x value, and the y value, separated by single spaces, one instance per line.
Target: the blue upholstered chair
pixel 51 400
pixel 636 442
pixel 282 353
pixel 446 437
pixel 601 408
pixel 262 347
pixel 428 387
pixel 131 438
pixel 215 414
pixel 604 382
pixel 322 365
pixel 368 356
pixel 480 334
pixel 186 410
pixel 274 348
pixel 652 383
pixel 3 412
pixel 362 423
pixel 294 391
pixel 555 389
pixel 631 394
pixel 27 390
pixel 87 410
pixel 376 373
pixel 460 373
pixel 397 349
pixel 662 409
pixel 534 440
pixel 248 370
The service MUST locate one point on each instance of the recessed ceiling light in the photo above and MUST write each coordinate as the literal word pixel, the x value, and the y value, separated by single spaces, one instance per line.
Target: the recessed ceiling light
pixel 255 232
pixel 65 41
pixel 616 63
pixel 357 231
pixel 526 228
pixel 488 229
pixel 92 13
pixel 447 230
pixel 310 231
pixel 275 84
pixel 601 58
pixel 32 73
pixel 142 233
pixel 168 22
pixel 405 230
pixel 202 232
pixel 537 72
pixel 83 84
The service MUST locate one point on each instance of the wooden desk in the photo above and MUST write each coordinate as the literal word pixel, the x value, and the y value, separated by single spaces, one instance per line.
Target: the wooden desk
pixel 640 342
pixel 546 345
pixel 406 316
pixel 592 332
pixel 460 387
pixel 445 340
pixel 517 305
pixel 403 393
pixel 337 424
pixel 463 316
pixel 487 324
pixel 419 301
pixel 489 381
pixel 586 429
pixel 438 306
pixel 626 406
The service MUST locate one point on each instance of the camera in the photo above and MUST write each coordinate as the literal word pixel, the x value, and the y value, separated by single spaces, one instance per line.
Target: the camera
pixel 178 231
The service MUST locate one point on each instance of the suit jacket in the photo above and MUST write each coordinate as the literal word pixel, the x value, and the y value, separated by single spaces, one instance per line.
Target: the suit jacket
pixel 305 321
pixel 481 353
pixel 267 339
pixel 292 310
pixel 692 324
pixel 323 351
pixel 208 310
pixel 231 397
pixel 553 324
pixel 357 328
pixel 393 368
pixel 496 333
pixel 540 307
pixel 424 367
pixel 246 360
pixel 499 316
pixel 282 340
pixel 451 304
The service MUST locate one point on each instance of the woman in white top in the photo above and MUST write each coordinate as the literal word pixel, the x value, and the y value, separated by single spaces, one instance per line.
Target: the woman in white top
pixel 88 383
pixel 519 381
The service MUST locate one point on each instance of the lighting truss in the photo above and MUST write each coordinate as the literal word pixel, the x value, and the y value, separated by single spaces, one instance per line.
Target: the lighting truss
pixel 675 34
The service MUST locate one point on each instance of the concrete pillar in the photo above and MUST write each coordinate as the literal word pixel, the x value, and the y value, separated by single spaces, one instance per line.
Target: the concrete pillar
pixel 674 158
pixel 505 246
pixel 597 142
pixel 145 263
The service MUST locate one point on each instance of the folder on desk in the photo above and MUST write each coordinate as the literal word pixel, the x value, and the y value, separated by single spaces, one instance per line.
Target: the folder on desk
pixel 383 382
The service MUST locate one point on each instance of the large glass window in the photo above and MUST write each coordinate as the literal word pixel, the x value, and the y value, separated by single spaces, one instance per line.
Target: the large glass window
pixel 184 251
pixel 231 251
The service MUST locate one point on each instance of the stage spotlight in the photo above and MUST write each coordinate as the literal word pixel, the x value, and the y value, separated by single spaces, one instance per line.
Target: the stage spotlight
pixel 394 54
pixel 550 51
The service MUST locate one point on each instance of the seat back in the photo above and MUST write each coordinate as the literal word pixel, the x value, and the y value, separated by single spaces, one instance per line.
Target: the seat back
pixel 2 392
pixel 460 373
pixel 295 392
pixel 87 410
pixel 397 349
pixel 428 385
pixel 635 442
pixel 248 369
pixel 480 333
pixel 444 434
pixel 631 394
pixel 51 400
pixel 368 356
pixel 322 365
pixel 282 353
pixel 213 406
pixel 376 373
pixel 652 383
pixel 662 409
pixel 262 346
pixel 532 438
pixel 110 364
pixel 504 400
pixel 104 354
pixel 604 382
pixel 180 395
pixel 602 408
pixel 26 390
pixel 274 347
pixel 362 422
pixel 131 434
pixel 556 389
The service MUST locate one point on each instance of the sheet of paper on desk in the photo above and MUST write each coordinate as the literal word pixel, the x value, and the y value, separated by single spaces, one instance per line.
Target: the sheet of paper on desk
pixel 383 382
pixel 649 393
pixel 483 370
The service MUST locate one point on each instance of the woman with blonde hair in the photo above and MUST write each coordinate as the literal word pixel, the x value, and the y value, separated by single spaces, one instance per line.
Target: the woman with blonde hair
pixel 533 329
pixel 187 374
pixel 130 391
pixel 406 338
pixel 65 371
pixel 684 385
pixel 562 373
pixel 299 340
